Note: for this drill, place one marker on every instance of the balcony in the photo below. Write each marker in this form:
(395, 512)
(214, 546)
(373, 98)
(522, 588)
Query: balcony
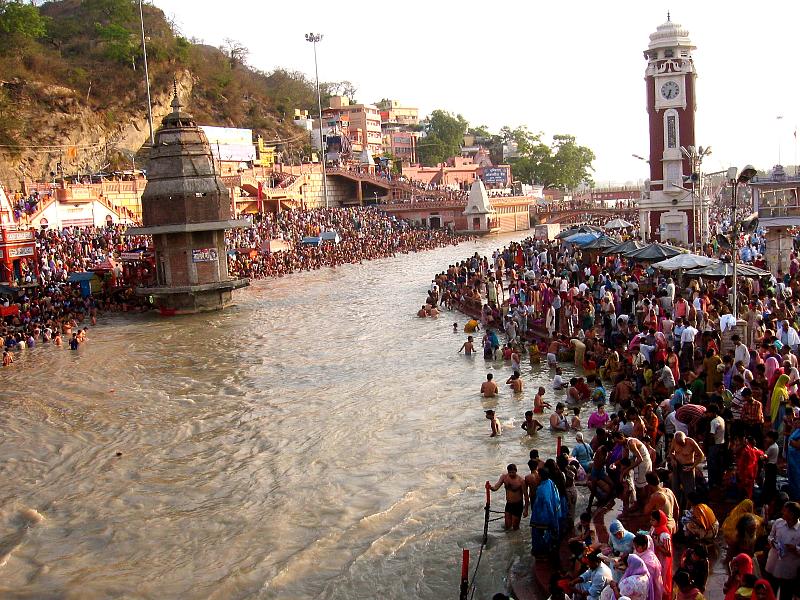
(773, 212)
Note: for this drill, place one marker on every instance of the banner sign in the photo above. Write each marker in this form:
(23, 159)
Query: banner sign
(204, 255)
(23, 251)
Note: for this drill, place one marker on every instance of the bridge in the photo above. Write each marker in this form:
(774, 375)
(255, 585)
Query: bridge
(581, 214)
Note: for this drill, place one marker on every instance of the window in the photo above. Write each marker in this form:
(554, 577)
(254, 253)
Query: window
(669, 53)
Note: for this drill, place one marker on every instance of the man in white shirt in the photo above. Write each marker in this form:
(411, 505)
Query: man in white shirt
(594, 580)
(783, 561)
(716, 446)
(741, 352)
(687, 347)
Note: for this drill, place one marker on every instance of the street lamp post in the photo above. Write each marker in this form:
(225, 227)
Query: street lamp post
(146, 77)
(695, 156)
(746, 175)
(314, 38)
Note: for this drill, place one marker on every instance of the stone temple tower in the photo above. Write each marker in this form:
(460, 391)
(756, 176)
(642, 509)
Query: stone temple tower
(186, 208)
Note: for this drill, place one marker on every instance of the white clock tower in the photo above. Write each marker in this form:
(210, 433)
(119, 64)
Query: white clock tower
(666, 208)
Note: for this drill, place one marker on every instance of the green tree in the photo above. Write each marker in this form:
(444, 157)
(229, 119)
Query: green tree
(572, 162)
(20, 25)
(444, 133)
(118, 43)
(111, 11)
(564, 165)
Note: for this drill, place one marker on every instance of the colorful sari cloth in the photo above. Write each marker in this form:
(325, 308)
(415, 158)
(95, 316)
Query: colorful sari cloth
(662, 541)
(745, 507)
(623, 544)
(793, 465)
(740, 566)
(780, 396)
(747, 468)
(545, 518)
(767, 587)
(653, 565)
(635, 582)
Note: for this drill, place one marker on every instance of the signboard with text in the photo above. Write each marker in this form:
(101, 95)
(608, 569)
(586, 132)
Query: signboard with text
(494, 176)
(204, 255)
(23, 251)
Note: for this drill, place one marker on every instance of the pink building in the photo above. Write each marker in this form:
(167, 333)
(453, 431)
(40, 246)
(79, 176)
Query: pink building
(361, 123)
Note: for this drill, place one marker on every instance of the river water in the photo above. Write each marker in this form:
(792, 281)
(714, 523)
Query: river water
(317, 440)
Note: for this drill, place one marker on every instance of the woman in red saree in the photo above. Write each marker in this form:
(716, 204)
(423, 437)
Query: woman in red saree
(747, 466)
(662, 542)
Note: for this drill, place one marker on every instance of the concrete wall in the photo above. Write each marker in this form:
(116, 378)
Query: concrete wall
(339, 191)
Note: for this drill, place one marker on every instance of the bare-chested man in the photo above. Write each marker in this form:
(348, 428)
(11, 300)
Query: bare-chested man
(640, 463)
(684, 456)
(661, 498)
(489, 387)
(515, 382)
(517, 500)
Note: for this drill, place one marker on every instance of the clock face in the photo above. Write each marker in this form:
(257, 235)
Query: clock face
(670, 90)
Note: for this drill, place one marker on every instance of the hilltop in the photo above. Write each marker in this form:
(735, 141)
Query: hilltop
(72, 86)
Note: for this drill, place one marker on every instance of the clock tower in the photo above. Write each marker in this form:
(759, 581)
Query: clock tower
(666, 208)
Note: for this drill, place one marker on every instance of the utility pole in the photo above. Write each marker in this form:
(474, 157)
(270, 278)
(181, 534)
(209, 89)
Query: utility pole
(146, 77)
(314, 38)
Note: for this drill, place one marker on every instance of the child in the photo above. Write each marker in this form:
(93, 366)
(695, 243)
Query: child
(468, 347)
(575, 424)
(496, 429)
(455, 327)
(628, 490)
(538, 402)
(531, 425)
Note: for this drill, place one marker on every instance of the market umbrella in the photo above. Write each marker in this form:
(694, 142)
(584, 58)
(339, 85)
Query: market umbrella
(654, 252)
(576, 229)
(581, 238)
(618, 224)
(685, 261)
(602, 243)
(725, 269)
(624, 247)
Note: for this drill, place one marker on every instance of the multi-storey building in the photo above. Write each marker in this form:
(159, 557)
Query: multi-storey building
(360, 122)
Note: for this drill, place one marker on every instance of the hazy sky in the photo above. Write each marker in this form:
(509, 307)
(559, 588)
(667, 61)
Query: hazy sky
(558, 67)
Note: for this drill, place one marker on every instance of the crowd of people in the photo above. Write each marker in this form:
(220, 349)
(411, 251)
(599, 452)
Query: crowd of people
(364, 234)
(692, 414)
(50, 306)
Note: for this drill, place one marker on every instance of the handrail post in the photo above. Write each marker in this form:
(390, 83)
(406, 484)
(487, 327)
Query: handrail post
(486, 509)
(464, 575)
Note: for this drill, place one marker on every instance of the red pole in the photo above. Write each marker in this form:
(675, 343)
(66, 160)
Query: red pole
(486, 511)
(464, 574)
(558, 446)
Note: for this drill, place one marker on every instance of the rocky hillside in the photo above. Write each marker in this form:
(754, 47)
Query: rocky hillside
(72, 86)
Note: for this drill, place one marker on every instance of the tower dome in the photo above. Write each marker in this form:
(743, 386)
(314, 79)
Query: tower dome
(669, 35)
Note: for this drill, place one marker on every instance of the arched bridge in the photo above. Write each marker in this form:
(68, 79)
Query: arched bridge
(582, 214)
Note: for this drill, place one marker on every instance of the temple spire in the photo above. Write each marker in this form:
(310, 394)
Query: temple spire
(668, 18)
(176, 102)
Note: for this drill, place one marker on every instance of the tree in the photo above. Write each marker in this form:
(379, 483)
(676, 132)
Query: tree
(339, 88)
(564, 165)
(444, 133)
(572, 162)
(111, 11)
(236, 52)
(119, 43)
(19, 24)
